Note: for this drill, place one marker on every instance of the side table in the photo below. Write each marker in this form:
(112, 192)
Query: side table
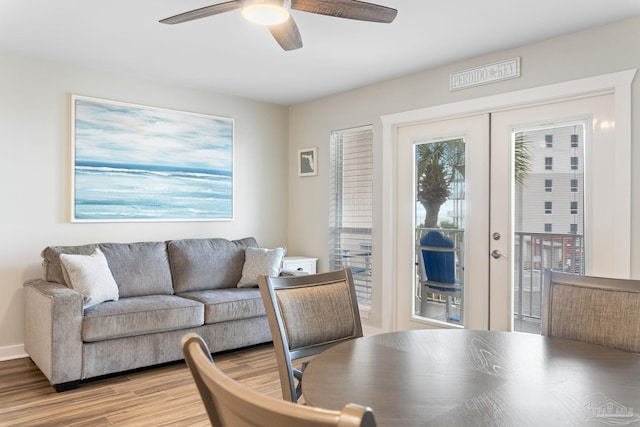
(299, 265)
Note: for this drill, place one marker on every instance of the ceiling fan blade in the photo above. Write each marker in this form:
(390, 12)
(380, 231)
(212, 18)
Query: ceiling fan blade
(203, 12)
(351, 9)
(287, 34)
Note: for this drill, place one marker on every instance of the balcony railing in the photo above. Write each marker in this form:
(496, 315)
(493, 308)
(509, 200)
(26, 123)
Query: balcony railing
(351, 247)
(533, 253)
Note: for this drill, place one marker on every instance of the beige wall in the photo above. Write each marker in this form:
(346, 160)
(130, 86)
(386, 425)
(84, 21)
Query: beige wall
(598, 51)
(35, 171)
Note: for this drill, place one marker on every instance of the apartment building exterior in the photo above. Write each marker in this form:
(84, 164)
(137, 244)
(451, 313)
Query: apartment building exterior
(549, 211)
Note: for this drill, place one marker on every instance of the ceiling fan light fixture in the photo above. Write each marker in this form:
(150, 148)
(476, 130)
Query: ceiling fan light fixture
(276, 15)
(266, 12)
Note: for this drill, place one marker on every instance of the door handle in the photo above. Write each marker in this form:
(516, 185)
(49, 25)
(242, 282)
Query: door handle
(497, 254)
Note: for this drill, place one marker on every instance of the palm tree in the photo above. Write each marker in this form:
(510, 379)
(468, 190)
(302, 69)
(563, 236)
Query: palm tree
(522, 157)
(440, 164)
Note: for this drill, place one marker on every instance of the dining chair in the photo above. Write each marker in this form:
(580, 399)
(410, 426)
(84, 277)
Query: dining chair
(597, 310)
(308, 314)
(231, 404)
(437, 269)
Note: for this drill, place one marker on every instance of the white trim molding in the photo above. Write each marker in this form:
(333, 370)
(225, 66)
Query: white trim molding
(12, 352)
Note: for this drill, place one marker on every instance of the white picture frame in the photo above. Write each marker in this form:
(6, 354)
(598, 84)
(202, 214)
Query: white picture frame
(308, 162)
(138, 163)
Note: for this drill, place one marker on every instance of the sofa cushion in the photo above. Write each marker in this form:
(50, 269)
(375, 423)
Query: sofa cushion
(221, 305)
(90, 275)
(258, 261)
(51, 268)
(200, 264)
(140, 315)
(138, 268)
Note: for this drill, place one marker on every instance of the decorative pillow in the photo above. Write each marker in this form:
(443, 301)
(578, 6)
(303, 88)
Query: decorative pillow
(90, 275)
(259, 261)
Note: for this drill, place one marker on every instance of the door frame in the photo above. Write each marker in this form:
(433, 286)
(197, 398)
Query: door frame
(618, 83)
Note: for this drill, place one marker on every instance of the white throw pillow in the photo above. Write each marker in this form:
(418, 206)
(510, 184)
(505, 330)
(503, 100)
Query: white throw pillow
(259, 261)
(90, 275)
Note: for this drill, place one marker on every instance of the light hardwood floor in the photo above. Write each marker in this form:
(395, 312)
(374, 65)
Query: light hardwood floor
(161, 396)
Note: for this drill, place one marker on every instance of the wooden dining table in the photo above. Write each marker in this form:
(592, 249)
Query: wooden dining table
(461, 377)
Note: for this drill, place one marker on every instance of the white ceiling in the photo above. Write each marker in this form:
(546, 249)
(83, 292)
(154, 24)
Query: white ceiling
(226, 54)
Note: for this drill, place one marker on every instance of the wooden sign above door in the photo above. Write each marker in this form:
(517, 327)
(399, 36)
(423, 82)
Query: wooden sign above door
(503, 70)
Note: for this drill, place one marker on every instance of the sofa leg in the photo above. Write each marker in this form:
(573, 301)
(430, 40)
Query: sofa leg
(66, 386)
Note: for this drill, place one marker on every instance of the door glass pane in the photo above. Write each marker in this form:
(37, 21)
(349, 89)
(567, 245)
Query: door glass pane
(439, 236)
(548, 225)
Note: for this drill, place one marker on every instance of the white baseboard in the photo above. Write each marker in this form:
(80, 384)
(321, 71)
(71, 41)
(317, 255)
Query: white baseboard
(12, 352)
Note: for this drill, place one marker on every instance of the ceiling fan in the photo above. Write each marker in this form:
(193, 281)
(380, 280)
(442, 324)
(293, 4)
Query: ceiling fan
(275, 14)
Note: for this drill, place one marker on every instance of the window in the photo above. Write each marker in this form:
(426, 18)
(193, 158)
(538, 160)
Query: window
(548, 141)
(351, 205)
(574, 185)
(548, 163)
(574, 163)
(574, 208)
(548, 207)
(573, 228)
(548, 228)
(574, 140)
(548, 184)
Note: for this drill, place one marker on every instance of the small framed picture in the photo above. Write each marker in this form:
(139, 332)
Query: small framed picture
(308, 162)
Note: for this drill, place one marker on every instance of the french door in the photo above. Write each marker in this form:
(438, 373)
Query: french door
(562, 215)
(524, 189)
(417, 306)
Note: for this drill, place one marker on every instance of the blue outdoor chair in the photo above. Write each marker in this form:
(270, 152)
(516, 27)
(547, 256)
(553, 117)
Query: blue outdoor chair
(437, 269)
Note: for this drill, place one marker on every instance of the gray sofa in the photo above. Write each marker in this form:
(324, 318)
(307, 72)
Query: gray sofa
(166, 289)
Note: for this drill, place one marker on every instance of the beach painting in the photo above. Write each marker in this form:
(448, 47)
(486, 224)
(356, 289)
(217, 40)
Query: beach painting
(137, 163)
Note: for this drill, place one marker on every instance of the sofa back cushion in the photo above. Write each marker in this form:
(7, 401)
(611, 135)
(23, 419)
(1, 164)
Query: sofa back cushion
(199, 264)
(138, 268)
(51, 267)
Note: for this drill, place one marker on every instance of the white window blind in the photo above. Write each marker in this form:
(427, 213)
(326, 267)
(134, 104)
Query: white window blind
(351, 205)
